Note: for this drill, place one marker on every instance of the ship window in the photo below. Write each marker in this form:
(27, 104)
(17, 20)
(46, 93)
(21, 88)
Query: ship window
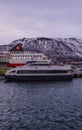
(40, 71)
(34, 56)
(13, 71)
(40, 56)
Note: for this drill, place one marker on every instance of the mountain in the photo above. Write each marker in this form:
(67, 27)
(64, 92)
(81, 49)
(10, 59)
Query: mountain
(59, 50)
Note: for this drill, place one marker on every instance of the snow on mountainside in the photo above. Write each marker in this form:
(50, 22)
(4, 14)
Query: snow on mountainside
(58, 49)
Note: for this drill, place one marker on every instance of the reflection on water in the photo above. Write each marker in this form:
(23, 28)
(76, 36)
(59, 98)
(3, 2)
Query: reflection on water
(41, 106)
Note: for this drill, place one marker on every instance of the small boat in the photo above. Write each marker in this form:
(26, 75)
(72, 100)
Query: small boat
(41, 72)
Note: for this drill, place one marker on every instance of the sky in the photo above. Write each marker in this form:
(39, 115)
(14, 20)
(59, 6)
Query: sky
(39, 18)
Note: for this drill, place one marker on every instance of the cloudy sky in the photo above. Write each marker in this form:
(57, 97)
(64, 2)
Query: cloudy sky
(36, 18)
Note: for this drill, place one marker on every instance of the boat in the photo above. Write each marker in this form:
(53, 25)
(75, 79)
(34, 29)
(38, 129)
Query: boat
(39, 72)
(20, 59)
(16, 56)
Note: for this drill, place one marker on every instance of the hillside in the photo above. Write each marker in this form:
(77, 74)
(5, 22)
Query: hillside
(58, 50)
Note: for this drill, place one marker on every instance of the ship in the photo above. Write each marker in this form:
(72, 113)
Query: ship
(39, 72)
(20, 59)
(16, 56)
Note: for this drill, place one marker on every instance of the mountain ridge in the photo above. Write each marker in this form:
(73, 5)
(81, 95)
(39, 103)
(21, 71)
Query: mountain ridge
(59, 50)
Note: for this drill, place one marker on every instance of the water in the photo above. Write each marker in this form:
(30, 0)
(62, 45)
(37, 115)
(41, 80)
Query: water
(41, 106)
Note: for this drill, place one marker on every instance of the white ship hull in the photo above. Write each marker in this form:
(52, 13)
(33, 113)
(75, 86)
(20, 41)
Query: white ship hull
(39, 73)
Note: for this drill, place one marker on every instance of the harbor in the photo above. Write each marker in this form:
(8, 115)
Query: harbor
(40, 65)
(35, 66)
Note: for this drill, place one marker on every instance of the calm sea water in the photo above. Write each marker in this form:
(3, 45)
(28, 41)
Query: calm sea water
(41, 106)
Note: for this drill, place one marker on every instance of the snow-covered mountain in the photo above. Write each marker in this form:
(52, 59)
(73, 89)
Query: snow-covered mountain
(58, 49)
